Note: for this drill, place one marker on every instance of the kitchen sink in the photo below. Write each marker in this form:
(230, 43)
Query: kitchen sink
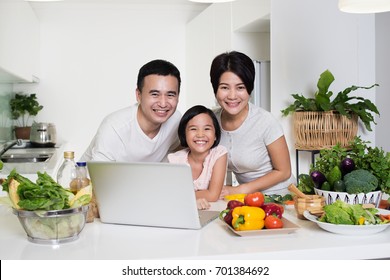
(26, 158)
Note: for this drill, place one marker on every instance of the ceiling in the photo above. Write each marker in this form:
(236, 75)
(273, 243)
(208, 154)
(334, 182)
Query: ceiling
(185, 6)
(194, 8)
(168, 2)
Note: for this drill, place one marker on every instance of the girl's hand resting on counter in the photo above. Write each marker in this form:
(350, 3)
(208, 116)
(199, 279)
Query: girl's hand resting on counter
(202, 204)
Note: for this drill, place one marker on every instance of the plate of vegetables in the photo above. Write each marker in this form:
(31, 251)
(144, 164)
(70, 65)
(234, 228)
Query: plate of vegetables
(351, 219)
(253, 216)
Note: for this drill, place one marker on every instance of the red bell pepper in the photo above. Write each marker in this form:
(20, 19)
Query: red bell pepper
(273, 209)
(227, 213)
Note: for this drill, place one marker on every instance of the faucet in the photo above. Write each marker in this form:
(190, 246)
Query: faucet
(18, 142)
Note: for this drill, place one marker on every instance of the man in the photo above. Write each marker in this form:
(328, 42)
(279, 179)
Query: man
(146, 131)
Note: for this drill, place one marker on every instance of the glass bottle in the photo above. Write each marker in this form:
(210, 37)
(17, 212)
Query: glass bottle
(82, 178)
(67, 171)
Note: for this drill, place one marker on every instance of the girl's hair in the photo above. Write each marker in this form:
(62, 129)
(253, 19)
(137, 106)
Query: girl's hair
(192, 112)
(235, 62)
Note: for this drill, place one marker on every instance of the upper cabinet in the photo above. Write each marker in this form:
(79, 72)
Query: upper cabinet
(251, 15)
(19, 42)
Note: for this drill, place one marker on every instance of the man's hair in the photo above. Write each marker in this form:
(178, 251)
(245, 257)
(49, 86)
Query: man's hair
(157, 67)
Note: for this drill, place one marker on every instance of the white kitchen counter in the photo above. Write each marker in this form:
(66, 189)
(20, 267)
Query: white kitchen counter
(215, 241)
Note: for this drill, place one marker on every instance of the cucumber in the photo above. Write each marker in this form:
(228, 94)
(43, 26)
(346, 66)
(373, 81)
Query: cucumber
(334, 175)
(339, 186)
(326, 186)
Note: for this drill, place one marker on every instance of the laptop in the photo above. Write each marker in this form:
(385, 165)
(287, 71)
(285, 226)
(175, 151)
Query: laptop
(147, 194)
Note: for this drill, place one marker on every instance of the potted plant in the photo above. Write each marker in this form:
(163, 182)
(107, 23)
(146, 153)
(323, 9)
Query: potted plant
(23, 108)
(359, 174)
(321, 122)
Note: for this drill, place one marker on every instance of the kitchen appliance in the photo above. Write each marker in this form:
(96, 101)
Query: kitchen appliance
(43, 134)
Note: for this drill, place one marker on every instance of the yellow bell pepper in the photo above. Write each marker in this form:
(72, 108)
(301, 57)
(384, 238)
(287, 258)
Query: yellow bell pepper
(236, 196)
(248, 218)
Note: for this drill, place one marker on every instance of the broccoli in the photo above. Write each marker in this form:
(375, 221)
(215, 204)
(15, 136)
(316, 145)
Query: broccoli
(360, 181)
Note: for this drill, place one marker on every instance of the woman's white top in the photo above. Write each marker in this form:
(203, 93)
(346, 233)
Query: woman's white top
(248, 156)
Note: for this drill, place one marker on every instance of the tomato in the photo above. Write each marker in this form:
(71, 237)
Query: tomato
(254, 199)
(272, 222)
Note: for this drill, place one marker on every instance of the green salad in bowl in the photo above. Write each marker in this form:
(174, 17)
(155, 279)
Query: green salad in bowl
(351, 219)
(48, 213)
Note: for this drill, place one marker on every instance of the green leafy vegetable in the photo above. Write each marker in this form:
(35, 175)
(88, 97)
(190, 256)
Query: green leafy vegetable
(45, 194)
(305, 184)
(342, 213)
(336, 214)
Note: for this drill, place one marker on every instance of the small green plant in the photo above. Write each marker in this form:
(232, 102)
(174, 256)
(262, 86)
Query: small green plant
(341, 103)
(23, 107)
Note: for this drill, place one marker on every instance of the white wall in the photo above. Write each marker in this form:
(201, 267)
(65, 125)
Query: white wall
(90, 56)
(382, 38)
(308, 37)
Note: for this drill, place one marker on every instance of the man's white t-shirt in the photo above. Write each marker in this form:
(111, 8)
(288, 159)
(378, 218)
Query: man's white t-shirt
(120, 138)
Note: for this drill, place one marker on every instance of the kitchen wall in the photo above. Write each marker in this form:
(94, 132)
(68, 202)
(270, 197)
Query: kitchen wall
(308, 37)
(90, 56)
(382, 70)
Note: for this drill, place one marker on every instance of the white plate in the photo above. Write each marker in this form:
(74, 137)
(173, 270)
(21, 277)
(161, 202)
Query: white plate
(288, 227)
(349, 229)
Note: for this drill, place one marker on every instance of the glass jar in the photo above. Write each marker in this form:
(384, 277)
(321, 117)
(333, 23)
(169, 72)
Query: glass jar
(82, 178)
(67, 171)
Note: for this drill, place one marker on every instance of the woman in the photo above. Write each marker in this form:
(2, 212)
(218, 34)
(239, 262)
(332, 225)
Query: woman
(257, 150)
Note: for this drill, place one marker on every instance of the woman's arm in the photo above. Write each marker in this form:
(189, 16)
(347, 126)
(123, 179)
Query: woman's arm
(280, 158)
(216, 181)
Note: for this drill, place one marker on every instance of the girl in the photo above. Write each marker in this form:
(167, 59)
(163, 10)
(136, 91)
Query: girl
(199, 133)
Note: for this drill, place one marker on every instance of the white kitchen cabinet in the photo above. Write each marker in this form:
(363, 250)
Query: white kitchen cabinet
(19, 42)
(247, 13)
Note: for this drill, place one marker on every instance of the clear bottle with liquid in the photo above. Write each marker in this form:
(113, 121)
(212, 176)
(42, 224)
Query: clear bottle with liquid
(67, 171)
(82, 178)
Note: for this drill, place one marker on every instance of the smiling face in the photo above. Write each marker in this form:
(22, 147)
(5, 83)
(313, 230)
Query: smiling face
(157, 101)
(232, 94)
(200, 133)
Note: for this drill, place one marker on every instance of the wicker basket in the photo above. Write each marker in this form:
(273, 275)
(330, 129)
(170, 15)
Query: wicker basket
(323, 130)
